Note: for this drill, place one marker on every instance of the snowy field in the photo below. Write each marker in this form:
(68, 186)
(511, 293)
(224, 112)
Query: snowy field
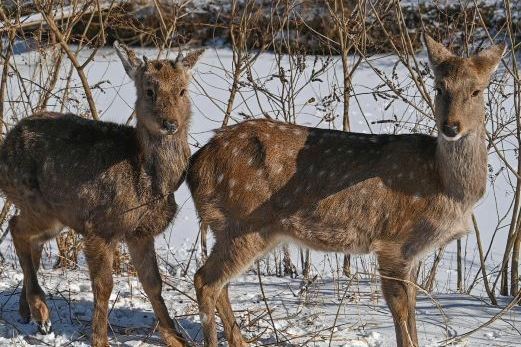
(329, 310)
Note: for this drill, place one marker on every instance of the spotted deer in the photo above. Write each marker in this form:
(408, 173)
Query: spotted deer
(262, 182)
(108, 182)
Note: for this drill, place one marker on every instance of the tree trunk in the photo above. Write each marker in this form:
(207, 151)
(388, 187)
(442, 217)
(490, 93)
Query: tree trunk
(460, 268)
(346, 267)
(514, 270)
(289, 268)
(306, 265)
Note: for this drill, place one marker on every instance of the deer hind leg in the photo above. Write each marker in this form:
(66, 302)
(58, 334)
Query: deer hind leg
(24, 309)
(411, 295)
(99, 254)
(231, 328)
(400, 295)
(29, 234)
(143, 257)
(229, 257)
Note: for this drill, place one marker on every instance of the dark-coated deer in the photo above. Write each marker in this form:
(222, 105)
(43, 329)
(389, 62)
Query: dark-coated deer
(261, 182)
(108, 182)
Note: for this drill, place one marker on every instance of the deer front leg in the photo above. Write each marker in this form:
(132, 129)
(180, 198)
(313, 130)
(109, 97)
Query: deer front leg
(400, 295)
(32, 302)
(143, 257)
(99, 255)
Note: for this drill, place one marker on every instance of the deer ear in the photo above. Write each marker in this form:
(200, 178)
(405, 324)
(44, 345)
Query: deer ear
(130, 62)
(191, 58)
(436, 51)
(488, 60)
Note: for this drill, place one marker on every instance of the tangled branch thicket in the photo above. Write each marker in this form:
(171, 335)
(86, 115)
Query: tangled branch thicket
(312, 45)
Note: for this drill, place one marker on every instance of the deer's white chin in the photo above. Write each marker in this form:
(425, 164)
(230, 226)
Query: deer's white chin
(451, 139)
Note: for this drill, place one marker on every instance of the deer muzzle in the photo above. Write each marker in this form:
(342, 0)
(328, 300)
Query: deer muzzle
(451, 131)
(169, 126)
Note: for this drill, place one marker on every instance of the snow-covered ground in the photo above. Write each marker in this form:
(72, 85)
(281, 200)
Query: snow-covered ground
(332, 310)
(329, 312)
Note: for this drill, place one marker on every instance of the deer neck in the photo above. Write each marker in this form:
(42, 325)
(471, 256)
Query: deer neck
(163, 157)
(462, 167)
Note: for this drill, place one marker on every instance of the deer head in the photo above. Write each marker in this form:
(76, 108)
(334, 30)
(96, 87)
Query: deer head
(459, 83)
(163, 104)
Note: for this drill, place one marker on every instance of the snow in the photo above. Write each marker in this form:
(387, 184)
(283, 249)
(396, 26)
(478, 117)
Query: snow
(312, 318)
(332, 310)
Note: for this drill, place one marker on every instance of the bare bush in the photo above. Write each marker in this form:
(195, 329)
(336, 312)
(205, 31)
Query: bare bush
(316, 51)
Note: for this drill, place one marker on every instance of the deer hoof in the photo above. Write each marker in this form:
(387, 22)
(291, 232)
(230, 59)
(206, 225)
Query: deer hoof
(44, 327)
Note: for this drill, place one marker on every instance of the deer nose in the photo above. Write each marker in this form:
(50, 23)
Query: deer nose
(170, 126)
(450, 129)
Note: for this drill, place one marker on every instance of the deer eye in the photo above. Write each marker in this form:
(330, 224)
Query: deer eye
(182, 92)
(150, 93)
(438, 90)
(476, 93)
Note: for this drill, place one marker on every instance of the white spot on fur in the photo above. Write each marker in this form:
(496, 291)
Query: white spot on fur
(232, 183)
(220, 178)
